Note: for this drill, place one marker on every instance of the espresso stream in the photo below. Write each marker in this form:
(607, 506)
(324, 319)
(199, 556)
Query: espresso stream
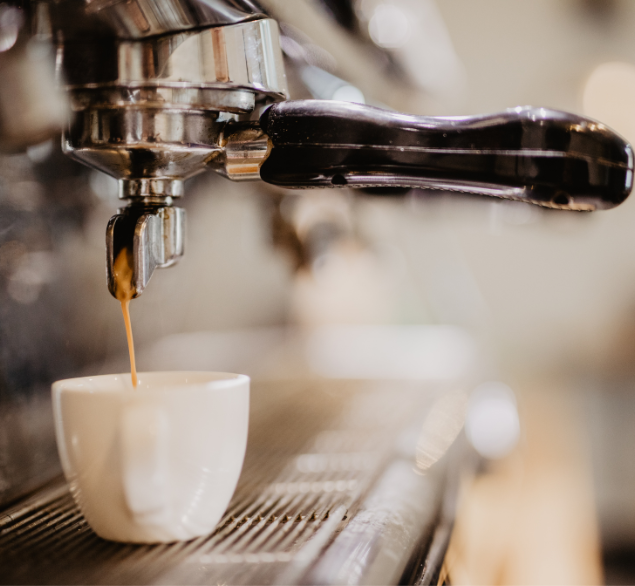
(124, 293)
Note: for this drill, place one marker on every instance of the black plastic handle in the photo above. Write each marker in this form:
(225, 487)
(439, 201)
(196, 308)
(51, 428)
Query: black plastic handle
(541, 156)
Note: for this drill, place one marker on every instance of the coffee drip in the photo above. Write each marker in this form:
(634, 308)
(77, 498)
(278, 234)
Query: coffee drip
(125, 291)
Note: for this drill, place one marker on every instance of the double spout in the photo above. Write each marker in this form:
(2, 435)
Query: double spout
(151, 234)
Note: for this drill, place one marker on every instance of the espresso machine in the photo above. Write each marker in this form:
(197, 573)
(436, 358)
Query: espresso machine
(155, 92)
(161, 92)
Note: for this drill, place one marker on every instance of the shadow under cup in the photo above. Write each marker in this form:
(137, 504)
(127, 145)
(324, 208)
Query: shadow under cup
(158, 463)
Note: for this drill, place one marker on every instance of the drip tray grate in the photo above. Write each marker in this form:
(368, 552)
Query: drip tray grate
(322, 479)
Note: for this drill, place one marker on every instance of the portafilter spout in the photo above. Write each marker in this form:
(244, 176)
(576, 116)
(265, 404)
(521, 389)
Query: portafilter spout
(151, 232)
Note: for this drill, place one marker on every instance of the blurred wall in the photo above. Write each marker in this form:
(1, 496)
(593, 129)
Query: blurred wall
(557, 286)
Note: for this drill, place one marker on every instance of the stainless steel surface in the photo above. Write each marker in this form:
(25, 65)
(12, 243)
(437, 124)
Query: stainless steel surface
(245, 148)
(401, 507)
(242, 56)
(160, 191)
(42, 206)
(155, 237)
(328, 494)
(32, 108)
(143, 18)
(161, 115)
(310, 39)
(139, 143)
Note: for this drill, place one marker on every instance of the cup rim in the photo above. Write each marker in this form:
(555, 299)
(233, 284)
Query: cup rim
(218, 381)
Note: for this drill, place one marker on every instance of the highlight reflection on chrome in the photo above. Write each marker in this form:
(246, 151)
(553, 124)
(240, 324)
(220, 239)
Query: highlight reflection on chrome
(492, 425)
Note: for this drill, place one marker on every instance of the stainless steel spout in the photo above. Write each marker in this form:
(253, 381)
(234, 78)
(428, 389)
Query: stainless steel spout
(152, 233)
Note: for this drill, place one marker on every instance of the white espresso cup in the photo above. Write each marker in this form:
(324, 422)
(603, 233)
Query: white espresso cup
(156, 463)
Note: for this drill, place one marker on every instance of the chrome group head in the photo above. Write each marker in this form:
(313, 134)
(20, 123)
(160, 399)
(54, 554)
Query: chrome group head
(159, 101)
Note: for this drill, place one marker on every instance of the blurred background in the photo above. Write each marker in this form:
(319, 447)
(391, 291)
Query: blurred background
(548, 296)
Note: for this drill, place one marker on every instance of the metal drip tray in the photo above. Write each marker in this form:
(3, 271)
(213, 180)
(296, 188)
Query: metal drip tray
(328, 494)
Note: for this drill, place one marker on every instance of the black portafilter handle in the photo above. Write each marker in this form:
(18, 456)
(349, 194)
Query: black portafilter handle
(536, 155)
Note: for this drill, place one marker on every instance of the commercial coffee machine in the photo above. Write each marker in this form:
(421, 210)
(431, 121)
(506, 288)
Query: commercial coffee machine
(163, 91)
(154, 92)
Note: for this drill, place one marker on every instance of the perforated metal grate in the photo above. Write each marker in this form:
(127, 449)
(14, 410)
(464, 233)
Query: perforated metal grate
(315, 453)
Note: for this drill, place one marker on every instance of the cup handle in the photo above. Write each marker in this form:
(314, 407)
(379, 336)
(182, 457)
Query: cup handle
(144, 458)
